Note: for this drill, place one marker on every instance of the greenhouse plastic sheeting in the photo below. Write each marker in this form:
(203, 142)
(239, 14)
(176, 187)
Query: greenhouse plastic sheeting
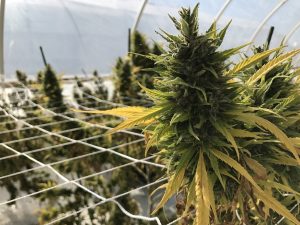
(84, 35)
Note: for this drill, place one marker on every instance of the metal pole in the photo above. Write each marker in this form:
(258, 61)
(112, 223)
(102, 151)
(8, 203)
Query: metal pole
(222, 10)
(139, 15)
(2, 10)
(43, 56)
(129, 41)
(271, 31)
(290, 34)
(275, 9)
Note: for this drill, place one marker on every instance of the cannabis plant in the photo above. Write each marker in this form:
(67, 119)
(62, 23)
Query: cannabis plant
(130, 70)
(101, 89)
(278, 90)
(22, 77)
(203, 122)
(140, 47)
(52, 89)
(125, 80)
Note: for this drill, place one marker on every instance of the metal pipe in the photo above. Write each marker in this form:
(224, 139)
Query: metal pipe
(260, 26)
(139, 16)
(2, 15)
(222, 10)
(2, 76)
(290, 34)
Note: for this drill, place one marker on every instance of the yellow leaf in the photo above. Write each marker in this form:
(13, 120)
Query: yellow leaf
(256, 167)
(271, 65)
(121, 112)
(244, 133)
(143, 117)
(191, 196)
(202, 193)
(212, 199)
(272, 203)
(175, 180)
(265, 197)
(282, 187)
(253, 119)
(283, 160)
(251, 61)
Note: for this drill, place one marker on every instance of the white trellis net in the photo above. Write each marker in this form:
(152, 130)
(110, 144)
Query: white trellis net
(61, 138)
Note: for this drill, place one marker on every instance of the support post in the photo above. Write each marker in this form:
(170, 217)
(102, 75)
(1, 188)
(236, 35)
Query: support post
(2, 16)
(139, 16)
(43, 56)
(290, 34)
(271, 31)
(222, 10)
(266, 19)
(129, 40)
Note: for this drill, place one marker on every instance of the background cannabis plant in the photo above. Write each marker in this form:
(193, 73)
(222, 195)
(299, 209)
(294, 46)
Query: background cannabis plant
(205, 125)
(277, 90)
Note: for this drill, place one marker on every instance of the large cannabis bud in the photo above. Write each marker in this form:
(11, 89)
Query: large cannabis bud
(201, 122)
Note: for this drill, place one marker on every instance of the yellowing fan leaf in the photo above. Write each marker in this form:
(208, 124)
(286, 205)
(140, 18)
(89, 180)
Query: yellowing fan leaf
(265, 197)
(212, 199)
(202, 193)
(256, 167)
(271, 65)
(244, 133)
(121, 112)
(191, 196)
(282, 187)
(283, 160)
(272, 203)
(251, 61)
(144, 117)
(267, 125)
(234, 164)
(175, 180)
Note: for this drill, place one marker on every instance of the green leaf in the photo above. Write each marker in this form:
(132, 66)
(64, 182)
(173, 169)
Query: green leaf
(229, 52)
(215, 166)
(225, 132)
(222, 33)
(179, 117)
